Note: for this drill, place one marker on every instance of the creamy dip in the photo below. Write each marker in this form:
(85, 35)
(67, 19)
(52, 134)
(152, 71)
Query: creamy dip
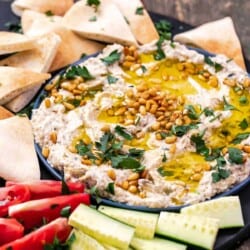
(157, 126)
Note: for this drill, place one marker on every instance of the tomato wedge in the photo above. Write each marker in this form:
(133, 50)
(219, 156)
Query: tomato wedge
(12, 195)
(37, 239)
(33, 213)
(48, 188)
(10, 230)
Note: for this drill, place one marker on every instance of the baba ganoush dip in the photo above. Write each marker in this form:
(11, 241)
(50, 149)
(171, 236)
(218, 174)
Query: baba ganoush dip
(160, 125)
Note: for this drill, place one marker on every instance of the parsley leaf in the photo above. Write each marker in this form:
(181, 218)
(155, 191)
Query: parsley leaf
(191, 112)
(227, 105)
(200, 145)
(235, 155)
(240, 137)
(243, 124)
(139, 11)
(164, 172)
(143, 68)
(214, 154)
(112, 57)
(218, 67)
(111, 188)
(49, 13)
(126, 162)
(136, 153)
(121, 131)
(77, 70)
(159, 55)
(243, 100)
(208, 112)
(85, 150)
(94, 3)
(112, 79)
(164, 29)
(14, 27)
(164, 157)
(180, 130)
(220, 171)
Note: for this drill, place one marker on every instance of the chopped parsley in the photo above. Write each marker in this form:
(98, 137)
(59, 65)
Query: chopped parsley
(164, 172)
(191, 112)
(159, 54)
(94, 3)
(164, 157)
(139, 11)
(218, 67)
(208, 112)
(240, 137)
(93, 19)
(243, 100)
(220, 171)
(77, 70)
(227, 105)
(164, 29)
(112, 57)
(200, 145)
(235, 155)
(49, 13)
(180, 130)
(112, 79)
(111, 188)
(243, 124)
(215, 118)
(14, 27)
(83, 55)
(121, 131)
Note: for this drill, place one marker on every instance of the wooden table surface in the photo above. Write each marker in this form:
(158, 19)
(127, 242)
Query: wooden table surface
(197, 12)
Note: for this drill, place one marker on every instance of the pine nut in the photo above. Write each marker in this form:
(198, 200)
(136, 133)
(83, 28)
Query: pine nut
(142, 110)
(45, 152)
(105, 128)
(133, 183)
(86, 162)
(246, 148)
(125, 185)
(155, 126)
(133, 176)
(68, 106)
(53, 137)
(143, 194)
(47, 103)
(133, 189)
(196, 177)
(111, 174)
(170, 139)
(120, 111)
(72, 149)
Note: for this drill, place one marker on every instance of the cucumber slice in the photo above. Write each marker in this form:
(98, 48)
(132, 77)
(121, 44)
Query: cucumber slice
(226, 209)
(156, 244)
(101, 227)
(144, 223)
(83, 241)
(108, 247)
(199, 231)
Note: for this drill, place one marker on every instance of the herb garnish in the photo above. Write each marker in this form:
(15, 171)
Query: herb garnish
(93, 19)
(214, 154)
(159, 55)
(112, 57)
(94, 3)
(143, 68)
(111, 188)
(240, 137)
(164, 173)
(164, 29)
(235, 155)
(164, 157)
(85, 150)
(180, 130)
(200, 145)
(139, 11)
(14, 27)
(227, 105)
(191, 112)
(49, 13)
(112, 79)
(77, 70)
(243, 124)
(121, 131)
(208, 112)
(218, 67)
(243, 100)
(220, 171)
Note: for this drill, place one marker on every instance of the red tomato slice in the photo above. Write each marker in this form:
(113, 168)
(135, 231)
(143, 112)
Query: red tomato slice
(33, 213)
(48, 188)
(12, 195)
(10, 230)
(36, 240)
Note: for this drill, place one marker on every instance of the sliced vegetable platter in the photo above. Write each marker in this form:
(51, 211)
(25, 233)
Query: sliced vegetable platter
(227, 238)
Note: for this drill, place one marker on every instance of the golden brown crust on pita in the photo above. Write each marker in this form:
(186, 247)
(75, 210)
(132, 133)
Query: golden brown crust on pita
(141, 25)
(57, 7)
(216, 37)
(109, 26)
(5, 113)
(12, 42)
(71, 46)
(15, 81)
(18, 158)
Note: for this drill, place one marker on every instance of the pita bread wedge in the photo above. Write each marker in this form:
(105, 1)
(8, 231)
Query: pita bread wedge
(71, 46)
(4, 113)
(106, 23)
(18, 160)
(57, 7)
(12, 42)
(14, 81)
(139, 20)
(216, 37)
(38, 59)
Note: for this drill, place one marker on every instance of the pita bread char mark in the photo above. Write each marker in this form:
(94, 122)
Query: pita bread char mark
(57, 7)
(106, 23)
(39, 60)
(4, 113)
(15, 81)
(18, 159)
(11, 42)
(141, 26)
(217, 37)
(71, 46)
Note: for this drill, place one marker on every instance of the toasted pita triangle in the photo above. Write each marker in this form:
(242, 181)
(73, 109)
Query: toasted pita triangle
(216, 37)
(71, 46)
(109, 24)
(18, 160)
(4, 113)
(57, 7)
(38, 59)
(12, 42)
(141, 26)
(14, 81)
